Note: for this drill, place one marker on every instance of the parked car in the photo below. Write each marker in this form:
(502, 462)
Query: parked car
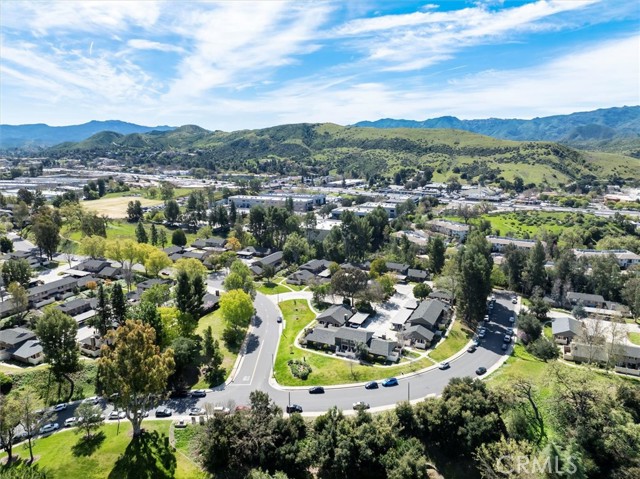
(389, 382)
(371, 385)
(493, 298)
(476, 341)
(504, 346)
(510, 331)
(279, 320)
(91, 400)
(50, 427)
(180, 424)
(512, 319)
(59, 407)
(222, 410)
(143, 413)
(486, 317)
(117, 415)
(507, 338)
(316, 390)
(242, 408)
(291, 408)
(472, 348)
(360, 405)
(482, 333)
(163, 412)
(481, 370)
(444, 365)
(196, 411)
(71, 421)
(198, 393)
(515, 300)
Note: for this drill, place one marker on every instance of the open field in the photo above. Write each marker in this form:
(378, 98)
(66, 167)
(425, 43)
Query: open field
(117, 207)
(120, 229)
(109, 454)
(458, 337)
(326, 370)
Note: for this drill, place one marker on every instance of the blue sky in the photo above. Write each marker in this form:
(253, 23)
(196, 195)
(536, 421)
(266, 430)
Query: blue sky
(240, 64)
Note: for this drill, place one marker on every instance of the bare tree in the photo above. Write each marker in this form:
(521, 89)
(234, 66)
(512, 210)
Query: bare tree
(593, 337)
(615, 342)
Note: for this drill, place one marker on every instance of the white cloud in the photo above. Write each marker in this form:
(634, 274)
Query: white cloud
(417, 40)
(140, 44)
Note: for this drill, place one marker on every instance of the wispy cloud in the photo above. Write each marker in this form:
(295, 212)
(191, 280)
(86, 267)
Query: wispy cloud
(140, 44)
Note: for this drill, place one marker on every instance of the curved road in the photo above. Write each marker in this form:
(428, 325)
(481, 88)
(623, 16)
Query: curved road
(255, 369)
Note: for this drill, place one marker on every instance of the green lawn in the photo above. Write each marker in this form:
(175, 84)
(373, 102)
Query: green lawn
(325, 370)
(458, 337)
(216, 322)
(109, 455)
(118, 229)
(634, 338)
(546, 330)
(271, 288)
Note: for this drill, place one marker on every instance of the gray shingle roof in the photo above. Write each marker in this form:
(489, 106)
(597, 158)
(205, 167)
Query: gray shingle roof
(428, 312)
(566, 325)
(355, 335)
(28, 349)
(335, 314)
(14, 336)
(322, 336)
(381, 347)
(418, 332)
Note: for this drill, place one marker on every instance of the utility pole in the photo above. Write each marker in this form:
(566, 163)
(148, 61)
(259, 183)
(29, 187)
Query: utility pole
(289, 398)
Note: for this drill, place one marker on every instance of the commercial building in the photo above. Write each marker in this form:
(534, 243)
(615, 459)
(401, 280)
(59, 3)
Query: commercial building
(300, 202)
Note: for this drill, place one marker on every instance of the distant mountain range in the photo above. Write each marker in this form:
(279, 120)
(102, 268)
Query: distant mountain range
(41, 135)
(611, 128)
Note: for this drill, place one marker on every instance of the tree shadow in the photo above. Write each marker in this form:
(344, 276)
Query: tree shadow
(147, 457)
(86, 447)
(253, 341)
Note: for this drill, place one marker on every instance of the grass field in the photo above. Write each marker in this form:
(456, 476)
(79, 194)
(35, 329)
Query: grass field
(634, 338)
(117, 207)
(458, 337)
(271, 288)
(325, 370)
(216, 322)
(119, 229)
(66, 455)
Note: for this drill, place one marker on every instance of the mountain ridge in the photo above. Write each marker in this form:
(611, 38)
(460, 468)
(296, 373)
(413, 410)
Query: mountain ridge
(39, 135)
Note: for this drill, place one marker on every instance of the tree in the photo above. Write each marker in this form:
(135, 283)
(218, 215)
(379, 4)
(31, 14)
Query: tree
(514, 264)
(57, 332)
(237, 309)
(233, 214)
(212, 358)
(147, 313)
(475, 266)
(47, 234)
(20, 214)
(127, 253)
(94, 246)
(132, 365)
(102, 320)
(198, 290)
(16, 270)
(530, 325)
(118, 304)
(186, 352)
(534, 273)
(183, 292)
(240, 277)
(19, 298)
(268, 272)
(606, 279)
(166, 190)
(296, 249)
(631, 292)
(538, 306)
(158, 294)
(154, 235)
(191, 266)
(141, 233)
(578, 311)
(102, 187)
(9, 422)
(178, 238)
(6, 245)
(32, 415)
(388, 282)
(89, 419)
(436, 254)
(421, 290)
(378, 267)
(156, 262)
(162, 238)
(171, 211)
(134, 211)
(349, 282)
(234, 244)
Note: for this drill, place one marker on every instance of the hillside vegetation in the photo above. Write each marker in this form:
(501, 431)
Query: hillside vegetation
(356, 152)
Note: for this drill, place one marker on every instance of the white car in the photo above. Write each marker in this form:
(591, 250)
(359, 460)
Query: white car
(91, 400)
(59, 407)
(444, 365)
(50, 427)
(197, 411)
(180, 424)
(72, 421)
(117, 415)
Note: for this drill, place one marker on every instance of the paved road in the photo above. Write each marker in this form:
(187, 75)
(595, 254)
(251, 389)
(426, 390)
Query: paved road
(255, 370)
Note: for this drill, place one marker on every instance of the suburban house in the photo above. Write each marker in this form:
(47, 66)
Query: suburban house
(499, 243)
(89, 341)
(171, 250)
(12, 338)
(217, 243)
(589, 300)
(417, 275)
(565, 329)
(624, 257)
(346, 341)
(397, 268)
(418, 336)
(422, 325)
(29, 352)
(627, 356)
(253, 252)
(315, 266)
(274, 259)
(210, 302)
(451, 229)
(336, 315)
(93, 265)
(33, 257)
(300, 277)
(445, 296)
(54, 288)
(78, 306)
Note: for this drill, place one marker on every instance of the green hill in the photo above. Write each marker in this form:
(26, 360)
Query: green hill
(358, 152)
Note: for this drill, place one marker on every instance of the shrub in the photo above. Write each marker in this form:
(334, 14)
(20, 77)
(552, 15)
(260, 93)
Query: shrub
(5, 383)
(299, 369)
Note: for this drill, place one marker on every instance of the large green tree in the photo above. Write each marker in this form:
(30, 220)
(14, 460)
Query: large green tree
(16, 270)
(46, 233)
(133, 367)
(475, 266)
(57, 332)
(237, 309)
(535, 276)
